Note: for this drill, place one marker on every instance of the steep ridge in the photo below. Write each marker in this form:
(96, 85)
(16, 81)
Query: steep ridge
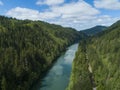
(104, 54)
(103, 59)
(28, 49)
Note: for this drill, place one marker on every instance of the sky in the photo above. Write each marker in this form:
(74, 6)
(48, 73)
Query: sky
(78, 14)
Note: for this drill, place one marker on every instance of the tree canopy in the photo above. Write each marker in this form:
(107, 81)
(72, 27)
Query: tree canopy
(28, 48)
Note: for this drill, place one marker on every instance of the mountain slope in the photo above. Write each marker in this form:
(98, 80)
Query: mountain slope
(94, 30)
(79, 79)
(28, 49)
(102, 53)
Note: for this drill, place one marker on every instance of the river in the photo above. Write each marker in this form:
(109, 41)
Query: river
(58, 76)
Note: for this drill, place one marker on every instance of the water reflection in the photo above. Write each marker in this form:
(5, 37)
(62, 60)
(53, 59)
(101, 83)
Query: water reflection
(58, 77)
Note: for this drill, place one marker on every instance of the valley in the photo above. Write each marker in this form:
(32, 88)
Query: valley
(38, 55)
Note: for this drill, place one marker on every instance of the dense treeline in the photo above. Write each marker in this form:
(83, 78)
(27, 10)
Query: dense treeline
(103, 51)
(104, 55)
(80, 79)
(28, 48)
(94, 30)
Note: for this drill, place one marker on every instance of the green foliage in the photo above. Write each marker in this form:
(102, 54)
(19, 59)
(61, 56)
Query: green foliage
(80, 74)
(103, 52)
(4, 83)
(94, 30)
(104, 55)
(28, 49)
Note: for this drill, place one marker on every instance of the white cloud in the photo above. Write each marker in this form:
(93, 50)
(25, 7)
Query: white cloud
(1, 3)
(49, 2)
(71, 10)
(75, 9)
(107, 4)
(79, 15)
(25, 13)
(87, 22)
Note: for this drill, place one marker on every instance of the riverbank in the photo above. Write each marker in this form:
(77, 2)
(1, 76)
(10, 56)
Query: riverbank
(57, 78)
(79, 79)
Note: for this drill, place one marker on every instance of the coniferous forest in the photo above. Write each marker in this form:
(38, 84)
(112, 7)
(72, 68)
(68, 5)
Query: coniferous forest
(28, 49)
(59, 44)
(101, 53)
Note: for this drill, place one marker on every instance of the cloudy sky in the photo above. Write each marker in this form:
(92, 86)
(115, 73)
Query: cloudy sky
(79, 14)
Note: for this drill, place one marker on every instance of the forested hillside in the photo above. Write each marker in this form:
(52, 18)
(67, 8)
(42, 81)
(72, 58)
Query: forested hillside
(28, 48)
(79, 79)
(102, 55)
(94, 30)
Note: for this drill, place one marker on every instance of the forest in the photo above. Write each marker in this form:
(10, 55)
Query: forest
(28, 48)
(79, 79)
(94, 30)
(103, 53)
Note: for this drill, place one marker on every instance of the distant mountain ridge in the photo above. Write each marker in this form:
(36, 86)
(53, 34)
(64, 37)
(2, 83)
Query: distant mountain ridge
(94, 30)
